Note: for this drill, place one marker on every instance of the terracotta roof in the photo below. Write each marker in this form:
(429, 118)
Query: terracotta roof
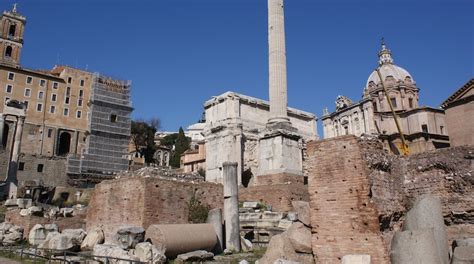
(456, 95)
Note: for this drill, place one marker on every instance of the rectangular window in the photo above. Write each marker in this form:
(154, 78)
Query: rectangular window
(42, 83)
(29, 80)
(40, 95)
(40, 168)
(39, 107)
(410, 102)
(9, 89)
(78, 114)
(27, 92)
(53, 97)
(11, 76)
(441, 130)
(68, 91)
(424, 128)
(79, 102)
(66, 112)
(55, 85)
(113, 118)
(82, 82)
(50, 132)
(21, 166)
(394, 102)
(52, 109)
(69, 80)
(66, 100)
(26, 105)
(81, 93)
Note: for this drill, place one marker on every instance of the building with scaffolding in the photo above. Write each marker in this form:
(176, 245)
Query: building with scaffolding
(77, 123)
(109, 126)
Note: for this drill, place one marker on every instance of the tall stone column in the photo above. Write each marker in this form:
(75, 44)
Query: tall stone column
(13, 166)
(2, 127)
(231, 206)
(277, 63)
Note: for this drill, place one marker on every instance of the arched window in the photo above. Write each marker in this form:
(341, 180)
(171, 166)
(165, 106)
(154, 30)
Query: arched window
(11, 32)
(64, 144)
(8, 51)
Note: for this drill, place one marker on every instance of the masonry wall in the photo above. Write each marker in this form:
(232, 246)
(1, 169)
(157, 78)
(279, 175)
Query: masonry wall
(460, 125)
(344, 219)
(359, 194)
(144, 201)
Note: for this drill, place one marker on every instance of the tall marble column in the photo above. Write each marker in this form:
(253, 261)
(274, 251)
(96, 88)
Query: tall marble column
(277, 63)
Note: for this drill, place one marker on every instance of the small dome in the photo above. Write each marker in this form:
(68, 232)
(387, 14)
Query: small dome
(387, 70)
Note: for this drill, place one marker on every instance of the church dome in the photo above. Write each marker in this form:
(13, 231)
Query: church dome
(388, 70)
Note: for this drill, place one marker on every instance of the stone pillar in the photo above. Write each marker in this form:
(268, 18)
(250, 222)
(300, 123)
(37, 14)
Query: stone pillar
(414, 247)
(215, 219)
(13, 165)
(427, 214)
(277, 62)
(231, 206)
(2, 127)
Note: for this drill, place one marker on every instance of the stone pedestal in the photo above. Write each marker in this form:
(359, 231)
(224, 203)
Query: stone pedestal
(280, 153)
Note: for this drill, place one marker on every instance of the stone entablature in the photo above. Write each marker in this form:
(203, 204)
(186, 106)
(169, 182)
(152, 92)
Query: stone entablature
(234, 127)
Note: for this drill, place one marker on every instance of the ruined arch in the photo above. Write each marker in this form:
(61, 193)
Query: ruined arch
(64, 144)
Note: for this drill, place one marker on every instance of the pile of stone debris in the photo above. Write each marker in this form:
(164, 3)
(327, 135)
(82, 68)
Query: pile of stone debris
(164, 173)
(288, 234)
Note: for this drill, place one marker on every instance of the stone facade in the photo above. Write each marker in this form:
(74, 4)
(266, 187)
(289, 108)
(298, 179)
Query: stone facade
(459, 109)
(144, 201)
(424, 127)
(359, 194)
(234, 124)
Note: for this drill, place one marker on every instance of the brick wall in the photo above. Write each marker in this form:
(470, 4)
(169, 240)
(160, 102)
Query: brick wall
(359, 194)
(344, 219)
(144, 201)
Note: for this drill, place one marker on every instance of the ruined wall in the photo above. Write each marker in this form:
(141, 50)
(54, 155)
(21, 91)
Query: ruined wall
(358, 190)
(344, 219)
(396, 182)
(53, 169)
(144, 201)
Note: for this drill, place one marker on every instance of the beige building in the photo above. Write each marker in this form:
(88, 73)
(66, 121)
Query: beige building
(459, 109)
(423, 127)
(194, 160)
(64, 107)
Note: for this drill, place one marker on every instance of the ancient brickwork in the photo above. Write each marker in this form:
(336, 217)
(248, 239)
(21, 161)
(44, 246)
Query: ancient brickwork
(357, 188)
(144, 201)
(344, 219)
(396, 182)
(277, 190)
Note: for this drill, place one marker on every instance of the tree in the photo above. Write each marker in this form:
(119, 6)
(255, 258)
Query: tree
(143, 137)
(181, 145)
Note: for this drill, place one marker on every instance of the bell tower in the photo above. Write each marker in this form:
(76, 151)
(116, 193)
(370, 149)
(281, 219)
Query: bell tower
(12, 27)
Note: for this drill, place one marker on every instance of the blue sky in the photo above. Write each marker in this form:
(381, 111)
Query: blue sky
(179, 53)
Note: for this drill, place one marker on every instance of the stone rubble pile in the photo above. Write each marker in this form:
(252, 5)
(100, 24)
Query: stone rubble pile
(294, 244)
(10, 234)
(163, 173)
